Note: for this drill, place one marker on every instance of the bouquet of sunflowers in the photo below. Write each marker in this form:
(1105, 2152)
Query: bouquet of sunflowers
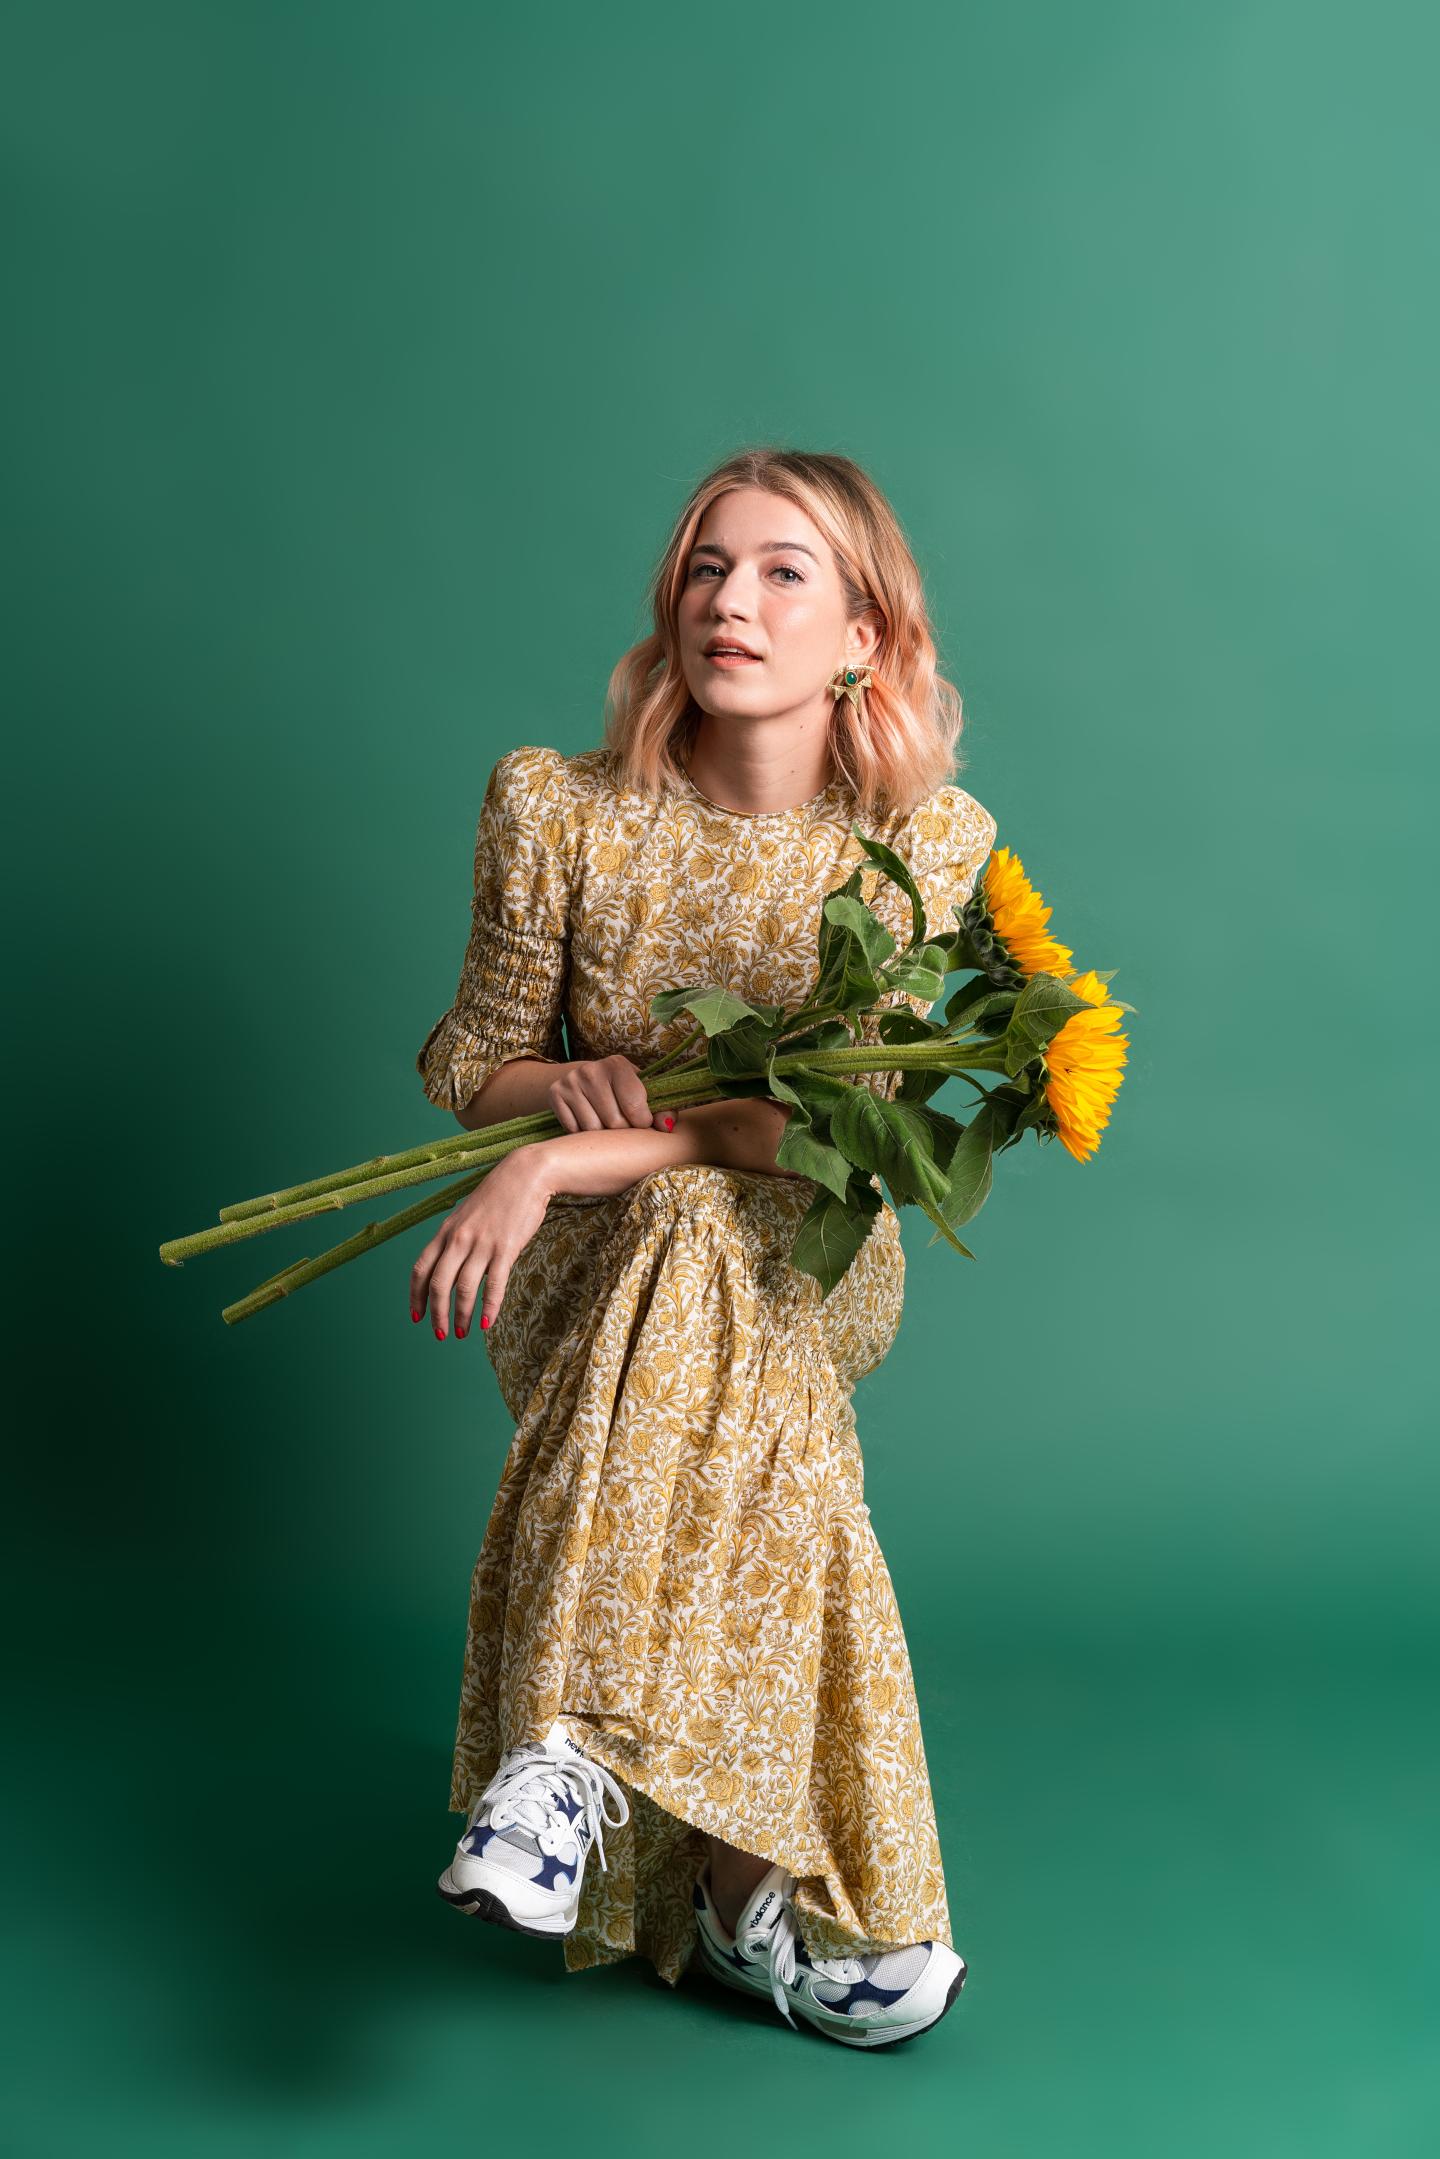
(1049, 1037)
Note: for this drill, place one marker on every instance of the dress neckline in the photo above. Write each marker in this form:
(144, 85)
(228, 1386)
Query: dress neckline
(814, 806)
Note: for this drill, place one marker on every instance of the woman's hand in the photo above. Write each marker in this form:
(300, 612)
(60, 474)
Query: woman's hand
(594, 1094)
(489, 1229)
(480, 1240)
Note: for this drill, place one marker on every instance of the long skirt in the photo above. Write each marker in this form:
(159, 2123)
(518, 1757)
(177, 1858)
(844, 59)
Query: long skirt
(680, 1562)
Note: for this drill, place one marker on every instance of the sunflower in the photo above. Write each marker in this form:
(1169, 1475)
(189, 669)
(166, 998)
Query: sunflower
(1082, 1068)
(1018, 917)
(1003, 932)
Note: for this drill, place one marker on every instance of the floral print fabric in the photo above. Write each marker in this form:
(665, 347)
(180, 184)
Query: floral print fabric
(679, 1557)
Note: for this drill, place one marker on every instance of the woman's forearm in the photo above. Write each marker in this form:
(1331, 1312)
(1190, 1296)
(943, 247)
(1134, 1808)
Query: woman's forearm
(734, 1134)
(518, 1088)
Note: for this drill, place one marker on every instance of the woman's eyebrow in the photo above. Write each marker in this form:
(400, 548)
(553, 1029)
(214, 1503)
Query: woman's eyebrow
(767, 547)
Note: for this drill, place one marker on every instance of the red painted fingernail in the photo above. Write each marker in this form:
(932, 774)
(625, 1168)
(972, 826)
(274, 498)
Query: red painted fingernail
(669, 1124)
(417, 1315)
(439, 1334)
(459, 1333)
(484, 1319)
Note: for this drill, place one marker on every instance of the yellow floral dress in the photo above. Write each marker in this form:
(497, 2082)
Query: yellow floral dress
(679, 1558)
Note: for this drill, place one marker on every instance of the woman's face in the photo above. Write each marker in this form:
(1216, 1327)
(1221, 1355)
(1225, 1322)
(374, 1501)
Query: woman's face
(761, 574)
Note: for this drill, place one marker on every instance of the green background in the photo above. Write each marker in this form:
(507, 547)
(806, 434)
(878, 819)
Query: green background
(359, 359)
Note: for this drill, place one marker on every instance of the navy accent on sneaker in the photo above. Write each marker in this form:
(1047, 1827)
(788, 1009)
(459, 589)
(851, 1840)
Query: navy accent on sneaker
(521, 1857)
(846, 1998)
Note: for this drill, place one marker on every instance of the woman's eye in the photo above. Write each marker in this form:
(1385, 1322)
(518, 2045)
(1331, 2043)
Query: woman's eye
(783, 568)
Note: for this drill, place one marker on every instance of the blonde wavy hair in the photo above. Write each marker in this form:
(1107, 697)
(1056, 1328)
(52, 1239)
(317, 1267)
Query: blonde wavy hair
(900, 745)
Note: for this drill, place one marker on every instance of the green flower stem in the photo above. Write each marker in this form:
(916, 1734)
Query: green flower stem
(651, 1071)
(672, 1089)
(685, 1089)
(899, 1056)
(345, 1188)
(387, 1172)
(179, 1249)
(290, 1279)
(534, 1124)
(952, 1054)
(514, 1132)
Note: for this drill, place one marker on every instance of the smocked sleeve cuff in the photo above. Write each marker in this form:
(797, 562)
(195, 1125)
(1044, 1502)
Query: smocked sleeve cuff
(508, 1005)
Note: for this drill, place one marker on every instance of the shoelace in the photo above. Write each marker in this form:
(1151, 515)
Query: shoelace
(529, 1783)
(784, 1935)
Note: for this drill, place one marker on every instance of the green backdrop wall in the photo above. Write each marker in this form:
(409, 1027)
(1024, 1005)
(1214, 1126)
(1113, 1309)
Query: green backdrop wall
(359, 358)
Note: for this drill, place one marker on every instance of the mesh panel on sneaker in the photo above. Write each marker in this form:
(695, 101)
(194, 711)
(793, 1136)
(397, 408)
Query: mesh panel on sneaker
(886, 1975)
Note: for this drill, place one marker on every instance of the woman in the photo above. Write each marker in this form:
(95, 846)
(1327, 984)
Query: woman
(682, 1630)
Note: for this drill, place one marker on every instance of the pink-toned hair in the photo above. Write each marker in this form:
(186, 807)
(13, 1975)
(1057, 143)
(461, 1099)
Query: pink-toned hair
(900, 746)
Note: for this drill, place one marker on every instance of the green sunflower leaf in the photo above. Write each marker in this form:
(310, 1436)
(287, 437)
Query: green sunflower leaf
(714, 1008)
(899, 874)
(1041, 1010)
(834, 1230)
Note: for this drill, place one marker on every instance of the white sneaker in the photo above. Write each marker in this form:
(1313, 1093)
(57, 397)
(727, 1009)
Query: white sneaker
(521, 1859)
(867, 2001)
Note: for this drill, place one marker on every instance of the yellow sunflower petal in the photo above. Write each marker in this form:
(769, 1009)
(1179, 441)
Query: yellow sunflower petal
(1019, 916)
(1082, 1068)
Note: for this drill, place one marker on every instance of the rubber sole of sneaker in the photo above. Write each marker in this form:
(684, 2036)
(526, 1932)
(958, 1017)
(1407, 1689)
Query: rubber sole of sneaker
(894, 2036)
(484, 1904)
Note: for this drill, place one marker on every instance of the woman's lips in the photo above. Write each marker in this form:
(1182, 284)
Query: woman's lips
(732, 659)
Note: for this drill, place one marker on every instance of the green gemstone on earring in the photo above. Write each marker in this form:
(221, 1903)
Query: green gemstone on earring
(849, 674)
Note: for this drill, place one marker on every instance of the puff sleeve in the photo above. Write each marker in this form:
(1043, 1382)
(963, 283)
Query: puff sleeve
(947, 842)
(510, 997)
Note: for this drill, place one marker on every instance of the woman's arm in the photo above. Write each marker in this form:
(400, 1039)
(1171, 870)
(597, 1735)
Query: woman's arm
(517, 1088)
(492, 1225)
(739, 1133)
(733, 1134)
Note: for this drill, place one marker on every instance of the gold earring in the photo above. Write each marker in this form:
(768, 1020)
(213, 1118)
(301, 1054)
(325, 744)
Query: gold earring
(849, 682)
